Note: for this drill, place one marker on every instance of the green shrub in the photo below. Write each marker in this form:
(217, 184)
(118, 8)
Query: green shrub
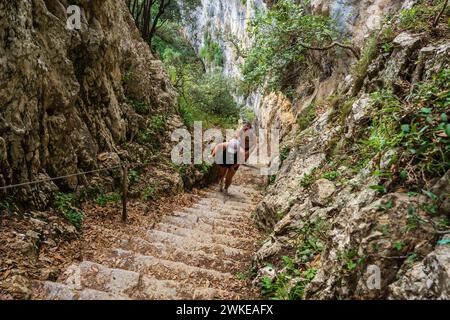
(307, 117)
(66, 204)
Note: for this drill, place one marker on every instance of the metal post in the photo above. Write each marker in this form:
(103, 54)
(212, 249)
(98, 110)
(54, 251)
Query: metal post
(125, 194)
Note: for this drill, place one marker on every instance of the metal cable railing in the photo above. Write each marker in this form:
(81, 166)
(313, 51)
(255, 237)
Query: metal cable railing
(124, 167)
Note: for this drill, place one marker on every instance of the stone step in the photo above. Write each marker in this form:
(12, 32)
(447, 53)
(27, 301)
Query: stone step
(90, 277)
(235, 191)
(191, 244)
(222, 213)
(212, 237)
(173, 290)
(231, 200)
(167, 251)
(59, 291)
(204, 216)
(216, 205)
(170, 270)
(205, 227)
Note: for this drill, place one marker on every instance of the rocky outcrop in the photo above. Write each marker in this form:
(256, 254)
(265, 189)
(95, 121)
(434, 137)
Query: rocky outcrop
(68, 96)
(429, 279)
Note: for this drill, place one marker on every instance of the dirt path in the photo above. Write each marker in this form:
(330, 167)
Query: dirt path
(193, 253)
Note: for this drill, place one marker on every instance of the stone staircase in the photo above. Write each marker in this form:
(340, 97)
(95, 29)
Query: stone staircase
(192, 254)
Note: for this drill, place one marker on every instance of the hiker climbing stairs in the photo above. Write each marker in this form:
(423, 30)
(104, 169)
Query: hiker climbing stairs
(193, 253)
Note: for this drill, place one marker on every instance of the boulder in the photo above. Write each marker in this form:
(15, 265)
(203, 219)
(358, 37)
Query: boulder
(323, 189)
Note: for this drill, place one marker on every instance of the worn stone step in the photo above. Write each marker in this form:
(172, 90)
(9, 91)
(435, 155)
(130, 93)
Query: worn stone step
(90, 278)
(203, 215)
(212, 237)
(196, 258)
(223, 213)
(173, 290)
(191, 244)
(91, 275)
(237, 200)
(205, 227)
(217, 205)
(60, 291)
(243, 191)
(211, 220)
(170, 270)
(214, 210)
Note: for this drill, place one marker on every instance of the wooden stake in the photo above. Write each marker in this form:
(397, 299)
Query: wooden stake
(125, 194)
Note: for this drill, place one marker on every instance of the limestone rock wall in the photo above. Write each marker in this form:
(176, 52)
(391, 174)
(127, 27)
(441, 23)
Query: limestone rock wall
(66, 96)
(359, 232)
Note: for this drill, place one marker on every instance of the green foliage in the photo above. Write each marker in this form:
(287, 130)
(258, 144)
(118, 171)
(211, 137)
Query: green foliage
(284, 154)
(288, 285)
(331, 175)
(248, 114)
(308, 179)
(133, 176)
(360, 69)
(157, 124)
(140, 107)
(398, 245)
(126, 77)
(420, 17)
(153, 134)
(419, 133)
(272, 179)
(307, 117)
(310, 241)
(350, 259)
(104, 199)
(278, 35)
(150, 192)
(212, 95)
(203, 167)
(7, 203)
(66, 204)
(211, 51)
(202, 96)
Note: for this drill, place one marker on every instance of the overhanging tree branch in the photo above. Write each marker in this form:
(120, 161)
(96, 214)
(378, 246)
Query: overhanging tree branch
(332, 45)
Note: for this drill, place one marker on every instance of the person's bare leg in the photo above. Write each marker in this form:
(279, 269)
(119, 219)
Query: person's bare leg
(221, 175)
(229, 177)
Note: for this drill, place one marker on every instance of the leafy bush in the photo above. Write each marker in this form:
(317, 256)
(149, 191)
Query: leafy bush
(278, 37)
(66, 204)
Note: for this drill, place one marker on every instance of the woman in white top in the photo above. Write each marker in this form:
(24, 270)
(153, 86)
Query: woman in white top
(230, 155)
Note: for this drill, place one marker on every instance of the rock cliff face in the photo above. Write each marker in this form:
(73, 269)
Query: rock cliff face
(342, 227)
(227, 23)
(70, 100)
